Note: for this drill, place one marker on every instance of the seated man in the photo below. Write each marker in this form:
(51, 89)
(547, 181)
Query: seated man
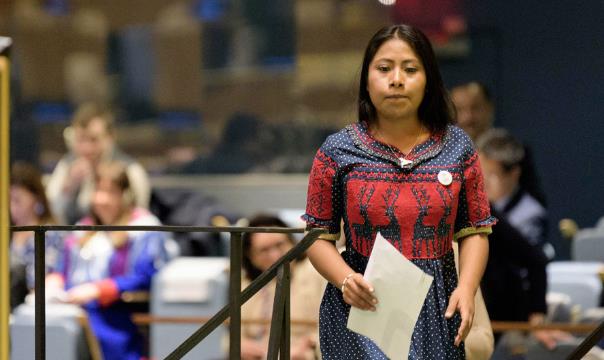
(514, 284)
(474, 107)
(91, 141)
(501, 157)
(475, 114)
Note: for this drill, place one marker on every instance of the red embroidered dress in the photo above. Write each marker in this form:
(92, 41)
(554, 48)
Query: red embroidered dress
(420, 208)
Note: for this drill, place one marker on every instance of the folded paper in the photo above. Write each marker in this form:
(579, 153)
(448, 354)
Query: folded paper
(401, 288)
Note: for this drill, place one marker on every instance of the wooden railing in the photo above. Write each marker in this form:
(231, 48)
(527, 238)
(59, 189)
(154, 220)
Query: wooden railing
(280, 322)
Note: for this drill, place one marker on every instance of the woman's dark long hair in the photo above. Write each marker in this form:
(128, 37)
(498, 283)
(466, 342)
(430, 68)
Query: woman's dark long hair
(260, 220)
(435, 111)
(28, 176)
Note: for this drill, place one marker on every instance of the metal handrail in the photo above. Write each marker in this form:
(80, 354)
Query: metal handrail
(280, 322)
(279, 336)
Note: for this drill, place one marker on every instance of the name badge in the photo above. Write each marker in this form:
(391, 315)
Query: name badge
(445, 178)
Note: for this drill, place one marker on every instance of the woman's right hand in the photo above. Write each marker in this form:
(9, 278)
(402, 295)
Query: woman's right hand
(328, 261)
(80, 169)
(359, 293)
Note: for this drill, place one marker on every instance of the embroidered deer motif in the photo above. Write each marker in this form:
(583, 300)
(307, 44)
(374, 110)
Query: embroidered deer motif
(443, 229)
(364, 230)
(317, 200)
(392, 231)
(422, 233)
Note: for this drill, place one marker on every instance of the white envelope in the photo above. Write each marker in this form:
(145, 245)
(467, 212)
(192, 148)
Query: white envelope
(401, 288)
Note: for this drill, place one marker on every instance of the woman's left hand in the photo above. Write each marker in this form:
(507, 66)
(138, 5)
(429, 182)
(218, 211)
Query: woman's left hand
(462, 300)
(83, 294)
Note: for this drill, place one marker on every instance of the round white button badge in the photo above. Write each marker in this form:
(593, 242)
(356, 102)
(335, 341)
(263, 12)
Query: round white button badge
(445, 177)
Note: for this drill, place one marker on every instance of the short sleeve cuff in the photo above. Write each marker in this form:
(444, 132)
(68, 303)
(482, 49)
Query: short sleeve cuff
(330, 237)
(312, 222)
(465, 232)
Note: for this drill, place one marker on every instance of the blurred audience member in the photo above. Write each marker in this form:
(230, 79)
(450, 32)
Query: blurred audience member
(189, 207)
(98, 266)
(514, 284)
(28, 206)
(474, 107)
(261, 250)
(501, 156)
(90, 139)
(237, 152)
(479, 344)
(18, 283)
(475, 114)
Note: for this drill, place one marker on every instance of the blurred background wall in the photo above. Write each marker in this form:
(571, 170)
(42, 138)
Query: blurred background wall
(179, 72)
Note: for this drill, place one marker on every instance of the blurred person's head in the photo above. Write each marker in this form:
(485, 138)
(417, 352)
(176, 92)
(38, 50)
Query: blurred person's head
(501, 156)
(93, 132)
(429, 96)
(28, 202)
(261, 250)
(240, 133)
(474, 108)
(112, 199)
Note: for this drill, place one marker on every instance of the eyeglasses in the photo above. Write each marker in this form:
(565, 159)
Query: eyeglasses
(266, 250)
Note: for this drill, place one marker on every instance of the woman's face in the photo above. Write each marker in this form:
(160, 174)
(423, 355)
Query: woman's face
(396, 81)
(266, 249)
(107, 201)
(22, 205)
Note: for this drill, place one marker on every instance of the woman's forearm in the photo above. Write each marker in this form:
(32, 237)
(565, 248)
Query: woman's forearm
(328, 262)
(356, 291)
(473, 256)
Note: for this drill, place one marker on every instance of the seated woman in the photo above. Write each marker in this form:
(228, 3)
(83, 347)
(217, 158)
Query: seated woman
(28, 206)
(97, 267)
(261, 250)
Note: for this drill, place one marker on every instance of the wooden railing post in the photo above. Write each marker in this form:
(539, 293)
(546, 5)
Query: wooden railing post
(235, 296)
(278, 339)
(40, 291)
(286, 334)
(5, 44)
